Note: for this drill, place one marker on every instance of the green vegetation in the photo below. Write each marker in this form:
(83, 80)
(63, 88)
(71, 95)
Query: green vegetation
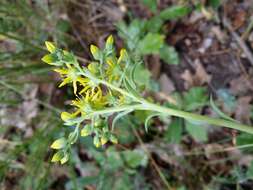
(120, 131)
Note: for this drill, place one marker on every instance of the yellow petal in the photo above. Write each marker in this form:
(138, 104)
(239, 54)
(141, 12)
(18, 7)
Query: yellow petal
(75, 87)
(65, 81)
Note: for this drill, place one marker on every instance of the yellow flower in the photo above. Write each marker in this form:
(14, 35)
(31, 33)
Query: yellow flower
(69, 75)
(83, 104)
(90, 87)
(89, 103)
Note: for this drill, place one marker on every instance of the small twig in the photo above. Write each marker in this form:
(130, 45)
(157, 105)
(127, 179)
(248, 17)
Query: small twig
(158, 170)
(238, 39)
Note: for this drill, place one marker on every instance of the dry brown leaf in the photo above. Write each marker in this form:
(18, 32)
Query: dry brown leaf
(166, 84)
(219, 34)
(155, 66)
(199, 78)
(243, 109)
(211, 148)
(240, 85)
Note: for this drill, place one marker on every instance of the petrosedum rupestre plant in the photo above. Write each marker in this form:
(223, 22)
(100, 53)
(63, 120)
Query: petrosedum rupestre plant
(106, 88)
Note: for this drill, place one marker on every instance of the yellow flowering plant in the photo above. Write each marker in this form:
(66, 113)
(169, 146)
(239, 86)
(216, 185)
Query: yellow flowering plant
(106, 88)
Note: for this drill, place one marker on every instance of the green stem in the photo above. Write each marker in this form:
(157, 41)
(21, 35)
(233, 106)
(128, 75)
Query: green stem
(117, 109)
(200, 118)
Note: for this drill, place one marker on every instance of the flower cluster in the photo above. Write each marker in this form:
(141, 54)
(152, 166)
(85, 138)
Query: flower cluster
(93, 99)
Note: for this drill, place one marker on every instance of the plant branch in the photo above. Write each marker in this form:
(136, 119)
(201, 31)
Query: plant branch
(145, 105)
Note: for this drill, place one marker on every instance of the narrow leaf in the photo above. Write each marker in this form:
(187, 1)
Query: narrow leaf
(148, 118)
(219, 112)
(120, 115)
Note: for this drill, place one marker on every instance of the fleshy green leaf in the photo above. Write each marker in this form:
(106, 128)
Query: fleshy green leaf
(195, 98)
(59, 143)
(169, 55)
(174, 12)
(151, 43)
(174, 132)
(131, 33)
(135, 158)
(142, 76)
(154, 24)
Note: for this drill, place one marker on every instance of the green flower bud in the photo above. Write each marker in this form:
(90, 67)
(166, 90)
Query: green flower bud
(96, 141)
(95, 52)
(104, 139)
(87, 130)
(109, 42)
(65, 158)
(58, 156)
(59, 143)
(50, 47)
(113, 139)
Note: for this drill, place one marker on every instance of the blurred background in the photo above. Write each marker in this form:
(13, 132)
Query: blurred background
(190, 48)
